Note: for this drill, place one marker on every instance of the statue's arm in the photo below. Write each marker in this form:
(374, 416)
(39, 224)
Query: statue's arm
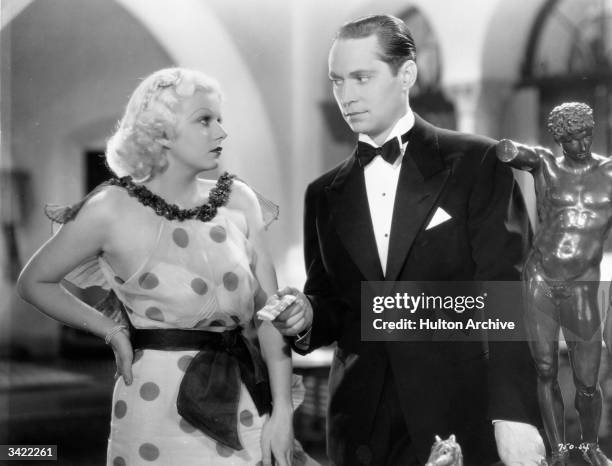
(521, 156)
(607, 165)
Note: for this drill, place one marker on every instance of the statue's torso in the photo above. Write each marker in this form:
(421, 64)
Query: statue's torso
(575, 215)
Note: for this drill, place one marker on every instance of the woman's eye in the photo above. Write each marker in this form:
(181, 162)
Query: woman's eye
(205, 120)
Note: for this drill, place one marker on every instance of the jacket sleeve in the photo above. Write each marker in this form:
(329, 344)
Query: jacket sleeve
(328, 307)
(500, 237)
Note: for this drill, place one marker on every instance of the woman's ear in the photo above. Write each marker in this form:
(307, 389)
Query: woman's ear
(165, 142)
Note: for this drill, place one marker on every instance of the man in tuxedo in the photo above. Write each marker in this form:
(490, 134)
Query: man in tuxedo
(414, 202)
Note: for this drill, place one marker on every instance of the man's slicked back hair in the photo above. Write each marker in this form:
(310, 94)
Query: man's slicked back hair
(393, 35)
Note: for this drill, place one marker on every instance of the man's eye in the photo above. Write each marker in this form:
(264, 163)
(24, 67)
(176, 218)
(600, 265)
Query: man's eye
(205, 120)
(363, 79)
(336, 82)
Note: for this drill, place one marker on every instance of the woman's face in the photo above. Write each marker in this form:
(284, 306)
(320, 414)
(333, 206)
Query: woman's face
(198, 132)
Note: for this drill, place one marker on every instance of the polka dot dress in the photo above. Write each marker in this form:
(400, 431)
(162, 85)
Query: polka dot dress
(147, 430)
(197, 276)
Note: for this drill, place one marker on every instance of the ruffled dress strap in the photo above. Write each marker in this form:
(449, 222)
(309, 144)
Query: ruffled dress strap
(270, 211)
(63, 213)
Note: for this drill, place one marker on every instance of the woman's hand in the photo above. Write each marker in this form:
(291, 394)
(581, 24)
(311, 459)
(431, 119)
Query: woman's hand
(277, 438)
(122, 347)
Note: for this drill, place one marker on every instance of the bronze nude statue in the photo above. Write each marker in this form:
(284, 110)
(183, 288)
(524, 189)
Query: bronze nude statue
(561, 274)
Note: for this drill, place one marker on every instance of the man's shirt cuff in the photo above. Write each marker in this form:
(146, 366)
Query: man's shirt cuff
(302, 339)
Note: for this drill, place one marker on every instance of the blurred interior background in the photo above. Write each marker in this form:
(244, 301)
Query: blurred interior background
(67, 67)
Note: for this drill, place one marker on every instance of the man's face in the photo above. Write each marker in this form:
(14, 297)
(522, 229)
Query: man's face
(370, 97)
(577, 146)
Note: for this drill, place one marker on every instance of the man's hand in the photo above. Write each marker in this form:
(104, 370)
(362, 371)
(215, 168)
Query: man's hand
(519, 443)
(297, 317)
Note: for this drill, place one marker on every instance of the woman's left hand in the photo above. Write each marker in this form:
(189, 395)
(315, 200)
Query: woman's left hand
(277, 439)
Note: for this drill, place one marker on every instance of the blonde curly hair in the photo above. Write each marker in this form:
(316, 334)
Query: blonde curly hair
(136, 148)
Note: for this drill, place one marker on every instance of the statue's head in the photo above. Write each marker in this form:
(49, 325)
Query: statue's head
(571, 124)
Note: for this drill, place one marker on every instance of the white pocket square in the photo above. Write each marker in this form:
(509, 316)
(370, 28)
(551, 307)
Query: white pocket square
(439, 217)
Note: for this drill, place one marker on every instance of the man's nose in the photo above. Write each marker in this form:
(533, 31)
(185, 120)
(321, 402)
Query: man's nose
(347, 94)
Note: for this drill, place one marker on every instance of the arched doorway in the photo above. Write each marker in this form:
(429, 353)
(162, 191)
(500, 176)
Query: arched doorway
(426, 97)
(569, 58)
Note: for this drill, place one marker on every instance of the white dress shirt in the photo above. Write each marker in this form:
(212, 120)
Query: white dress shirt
(381, 184)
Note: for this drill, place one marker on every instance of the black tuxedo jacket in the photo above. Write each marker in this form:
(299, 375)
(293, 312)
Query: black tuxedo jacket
(443, 387)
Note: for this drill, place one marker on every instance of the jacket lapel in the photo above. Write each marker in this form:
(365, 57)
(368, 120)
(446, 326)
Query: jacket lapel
(351, 217)
(422, 177)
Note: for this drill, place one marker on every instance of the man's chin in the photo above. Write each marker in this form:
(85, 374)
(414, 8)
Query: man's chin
(358, 127)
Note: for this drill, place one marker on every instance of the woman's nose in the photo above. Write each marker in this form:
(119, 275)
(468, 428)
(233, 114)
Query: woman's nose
(221, 134)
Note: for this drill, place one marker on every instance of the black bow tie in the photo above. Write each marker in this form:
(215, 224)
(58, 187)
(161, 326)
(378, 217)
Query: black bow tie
(389, 151)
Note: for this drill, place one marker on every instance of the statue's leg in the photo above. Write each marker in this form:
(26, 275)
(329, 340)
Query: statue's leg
(607, 333)
(581, 314)
(542, 325)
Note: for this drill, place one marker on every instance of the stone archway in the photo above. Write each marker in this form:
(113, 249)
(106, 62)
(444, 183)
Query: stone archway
(203, 42)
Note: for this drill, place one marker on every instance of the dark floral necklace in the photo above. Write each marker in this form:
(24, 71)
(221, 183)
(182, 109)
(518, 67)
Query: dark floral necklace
(218, 197)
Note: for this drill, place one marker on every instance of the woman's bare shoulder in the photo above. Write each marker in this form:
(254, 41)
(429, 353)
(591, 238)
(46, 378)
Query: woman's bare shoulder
(242, 196)
(106, 204)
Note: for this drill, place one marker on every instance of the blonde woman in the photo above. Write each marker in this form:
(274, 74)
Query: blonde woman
(185, 257)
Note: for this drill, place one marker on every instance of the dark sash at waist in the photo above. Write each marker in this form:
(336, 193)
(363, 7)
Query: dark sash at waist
(176, 339)
(210, 390)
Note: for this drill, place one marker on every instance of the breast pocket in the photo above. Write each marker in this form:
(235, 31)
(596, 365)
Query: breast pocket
(441, 250)
(445, 231)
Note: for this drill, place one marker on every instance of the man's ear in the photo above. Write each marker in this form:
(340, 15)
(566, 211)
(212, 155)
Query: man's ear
(408, 74)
